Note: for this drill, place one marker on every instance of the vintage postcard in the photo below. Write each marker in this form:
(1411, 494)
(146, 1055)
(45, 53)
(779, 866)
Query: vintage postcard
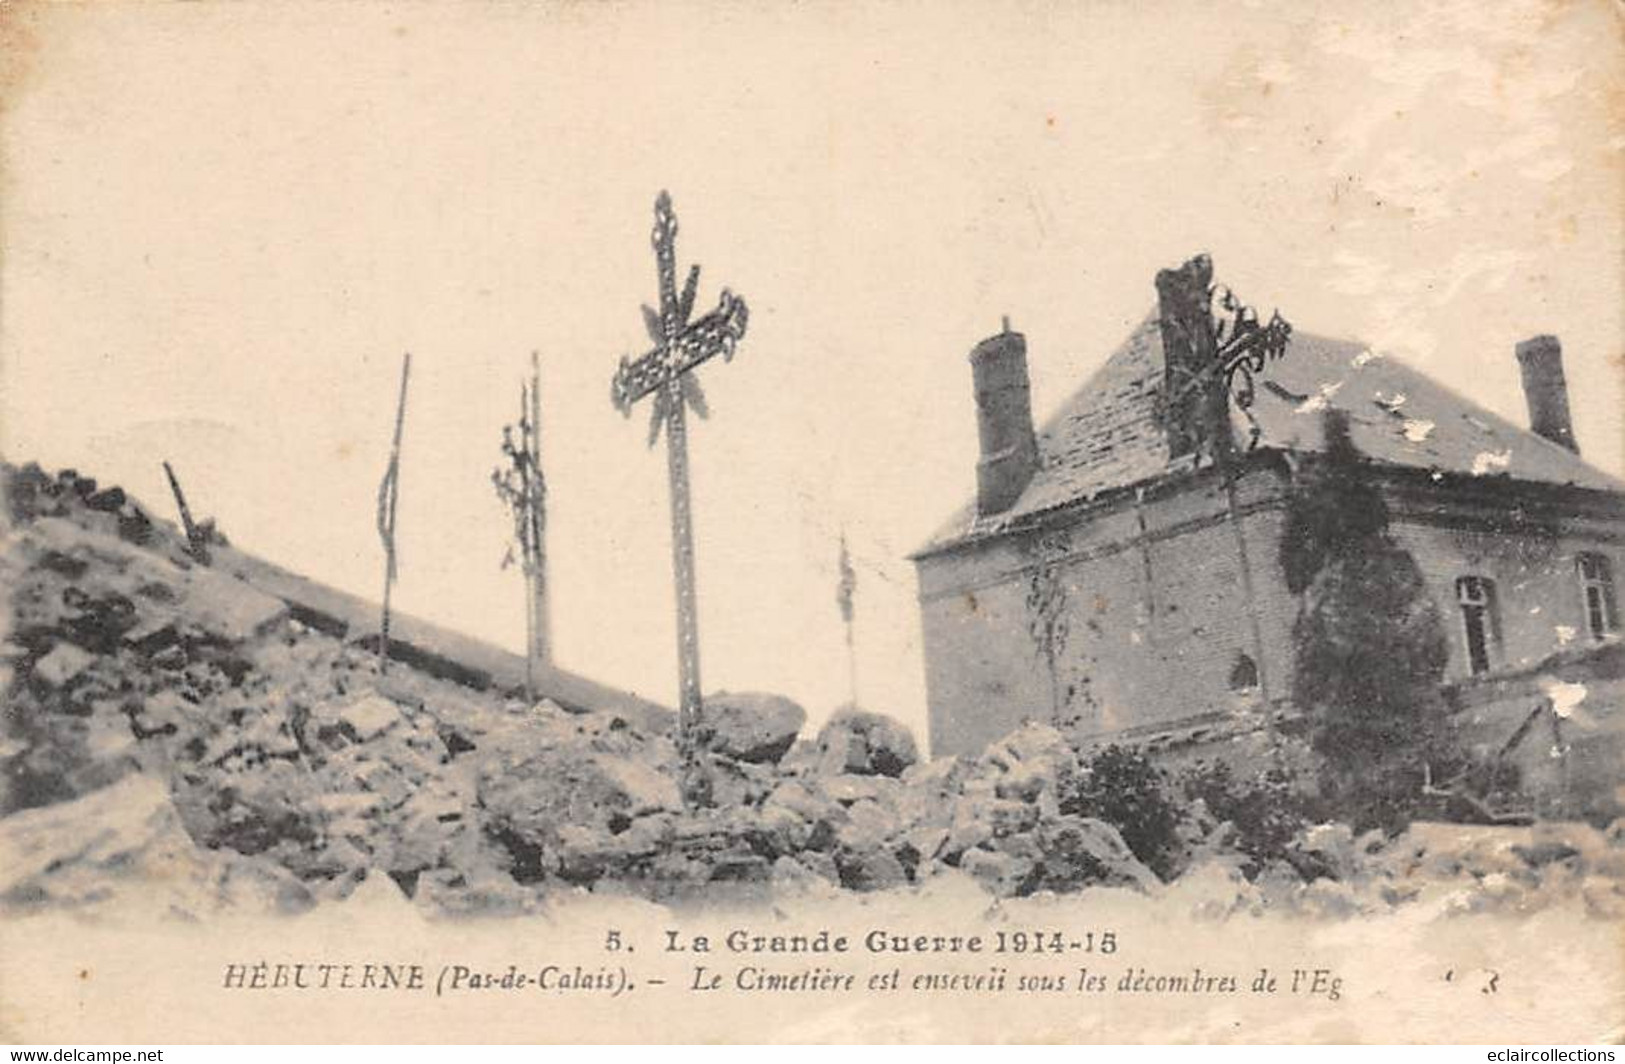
(1123, 539)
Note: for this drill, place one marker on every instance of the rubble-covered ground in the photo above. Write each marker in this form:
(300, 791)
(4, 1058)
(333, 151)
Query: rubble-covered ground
(176, 741)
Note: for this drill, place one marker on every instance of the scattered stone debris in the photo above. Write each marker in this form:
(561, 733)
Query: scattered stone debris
(865, 743)
(177, 743)
(758, 728)
(123, 848)
(62, 665)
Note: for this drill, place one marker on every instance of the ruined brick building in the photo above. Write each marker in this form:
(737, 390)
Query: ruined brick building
(1109, 579)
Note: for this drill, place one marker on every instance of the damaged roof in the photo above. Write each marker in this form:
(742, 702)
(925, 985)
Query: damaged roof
(1107, 435)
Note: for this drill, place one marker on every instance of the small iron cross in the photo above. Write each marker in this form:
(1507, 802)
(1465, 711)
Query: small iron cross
(665, 372)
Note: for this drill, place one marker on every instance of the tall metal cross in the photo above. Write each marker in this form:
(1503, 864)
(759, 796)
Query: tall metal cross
(664, 372)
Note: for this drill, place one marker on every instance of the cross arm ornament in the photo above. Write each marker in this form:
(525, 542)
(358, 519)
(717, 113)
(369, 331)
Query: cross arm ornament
(716, 333)
(1244, 345)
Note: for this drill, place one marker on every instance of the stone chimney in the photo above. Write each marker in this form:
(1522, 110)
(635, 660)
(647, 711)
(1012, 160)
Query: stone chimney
(1546, 390)
(1196, 409)
(1004, 421)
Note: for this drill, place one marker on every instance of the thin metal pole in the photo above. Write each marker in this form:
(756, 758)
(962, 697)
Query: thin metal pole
(388, 496)
(682, 556)
(195, 544)
(845, 598)
(526, 539)
(541, 634)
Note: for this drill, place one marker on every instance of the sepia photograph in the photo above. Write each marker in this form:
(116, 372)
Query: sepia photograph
(744, 522)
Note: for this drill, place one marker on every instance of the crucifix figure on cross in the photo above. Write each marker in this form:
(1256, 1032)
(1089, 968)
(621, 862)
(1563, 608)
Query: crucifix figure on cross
(665, 372)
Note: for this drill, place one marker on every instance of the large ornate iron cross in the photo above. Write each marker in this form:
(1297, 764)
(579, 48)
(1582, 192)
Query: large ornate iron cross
(664, 372)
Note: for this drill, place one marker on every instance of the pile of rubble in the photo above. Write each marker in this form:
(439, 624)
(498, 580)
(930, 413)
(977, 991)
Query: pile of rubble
(175, 738)
(853, 809)
(1448, 869)
(149, 697)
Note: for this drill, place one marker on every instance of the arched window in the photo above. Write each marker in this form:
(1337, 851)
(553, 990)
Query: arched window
(1480, 624)
(1597, 588)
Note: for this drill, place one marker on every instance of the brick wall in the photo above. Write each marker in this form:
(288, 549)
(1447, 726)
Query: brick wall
(1157, 619)
(1155, 613)
(1538, 599)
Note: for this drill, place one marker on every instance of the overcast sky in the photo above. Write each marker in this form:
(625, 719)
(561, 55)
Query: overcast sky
(223, 224)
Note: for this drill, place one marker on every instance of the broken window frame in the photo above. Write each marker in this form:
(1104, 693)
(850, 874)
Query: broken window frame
(1597, 603)
(1480, 622)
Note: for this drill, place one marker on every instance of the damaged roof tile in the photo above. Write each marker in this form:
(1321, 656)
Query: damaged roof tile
(1107, 435)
